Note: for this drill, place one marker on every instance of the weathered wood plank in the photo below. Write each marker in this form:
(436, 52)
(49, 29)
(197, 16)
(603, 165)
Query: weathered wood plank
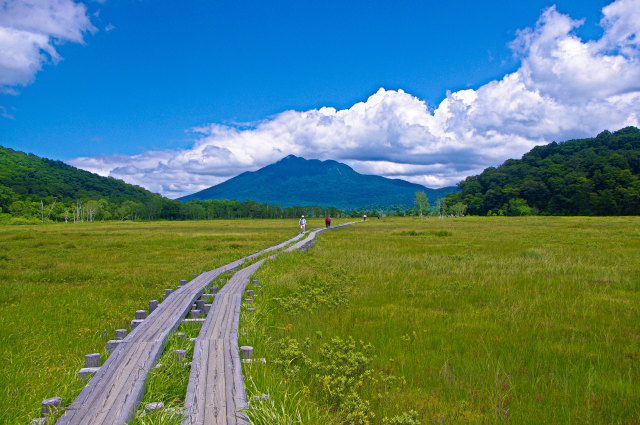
(215, 357)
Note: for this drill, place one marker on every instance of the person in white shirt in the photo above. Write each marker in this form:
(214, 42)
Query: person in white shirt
(303, 224)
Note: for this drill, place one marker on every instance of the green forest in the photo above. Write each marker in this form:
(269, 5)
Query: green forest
(34, 189)
(596, 176)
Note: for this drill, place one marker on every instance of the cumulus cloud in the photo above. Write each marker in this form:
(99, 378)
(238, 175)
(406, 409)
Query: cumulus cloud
(564, 88)
(29, 33)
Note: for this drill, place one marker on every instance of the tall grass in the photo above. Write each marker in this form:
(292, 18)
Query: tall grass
(474, 320)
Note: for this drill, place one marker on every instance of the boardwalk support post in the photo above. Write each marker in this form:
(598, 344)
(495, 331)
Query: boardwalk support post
(246, 352)
(141, 314)
(150, 407)
(121, 333)
(167, 292)
(135, 323)
(92, 360)
(153, 304)
(180, 354)
(112, 345)
(51, 405)
(91, 365)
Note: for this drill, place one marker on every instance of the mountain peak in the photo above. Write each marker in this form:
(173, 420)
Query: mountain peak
(290, 160)
(294, 180)
(291, 157)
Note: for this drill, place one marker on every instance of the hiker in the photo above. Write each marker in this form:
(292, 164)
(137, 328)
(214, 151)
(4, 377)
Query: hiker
(303, 224)
(364, 217)
(327, 221)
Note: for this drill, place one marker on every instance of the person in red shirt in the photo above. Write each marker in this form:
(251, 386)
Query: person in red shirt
(327, 221)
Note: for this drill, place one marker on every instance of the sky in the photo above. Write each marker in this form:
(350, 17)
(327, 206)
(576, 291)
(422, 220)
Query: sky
(179, 96)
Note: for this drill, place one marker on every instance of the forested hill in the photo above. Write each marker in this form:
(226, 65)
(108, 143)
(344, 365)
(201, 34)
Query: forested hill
(595, 176)
(27, 182)
(38, 178)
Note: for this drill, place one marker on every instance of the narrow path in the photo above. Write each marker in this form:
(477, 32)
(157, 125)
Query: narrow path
(215, 393)
(307, 242)
(113, 393)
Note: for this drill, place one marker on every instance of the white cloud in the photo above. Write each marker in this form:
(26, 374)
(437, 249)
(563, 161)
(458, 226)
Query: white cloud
(564, 88)
(29, 31)
(5, 113)
(559, 65)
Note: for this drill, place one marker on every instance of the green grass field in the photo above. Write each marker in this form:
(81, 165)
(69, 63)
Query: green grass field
(64, 289)
(472, 320)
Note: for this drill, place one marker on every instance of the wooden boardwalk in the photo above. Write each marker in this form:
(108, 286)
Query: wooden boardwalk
(307, 242)
(113, 393)
(215, 393)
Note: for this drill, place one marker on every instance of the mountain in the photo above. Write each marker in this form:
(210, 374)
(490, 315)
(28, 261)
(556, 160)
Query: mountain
(594, 176)
(298, 181)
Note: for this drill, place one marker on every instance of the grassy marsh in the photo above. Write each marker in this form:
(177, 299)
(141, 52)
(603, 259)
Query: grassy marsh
(473, 320)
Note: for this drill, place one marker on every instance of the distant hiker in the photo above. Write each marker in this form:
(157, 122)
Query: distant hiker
(303, 224)
(364, 217)
(327, 221)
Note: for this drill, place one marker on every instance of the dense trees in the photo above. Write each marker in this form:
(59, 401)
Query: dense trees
(596, 176)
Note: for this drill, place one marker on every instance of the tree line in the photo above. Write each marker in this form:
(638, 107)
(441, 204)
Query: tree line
(19, 211)
(24, 211)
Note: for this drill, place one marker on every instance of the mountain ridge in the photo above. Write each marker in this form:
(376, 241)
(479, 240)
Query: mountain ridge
(294, 180)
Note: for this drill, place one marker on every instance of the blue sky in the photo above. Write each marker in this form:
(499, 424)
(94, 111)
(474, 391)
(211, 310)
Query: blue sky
(177, 96)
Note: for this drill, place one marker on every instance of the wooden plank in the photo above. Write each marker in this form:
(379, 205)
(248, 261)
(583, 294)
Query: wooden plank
(113, 394)
(309, 240)
(220, 401)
